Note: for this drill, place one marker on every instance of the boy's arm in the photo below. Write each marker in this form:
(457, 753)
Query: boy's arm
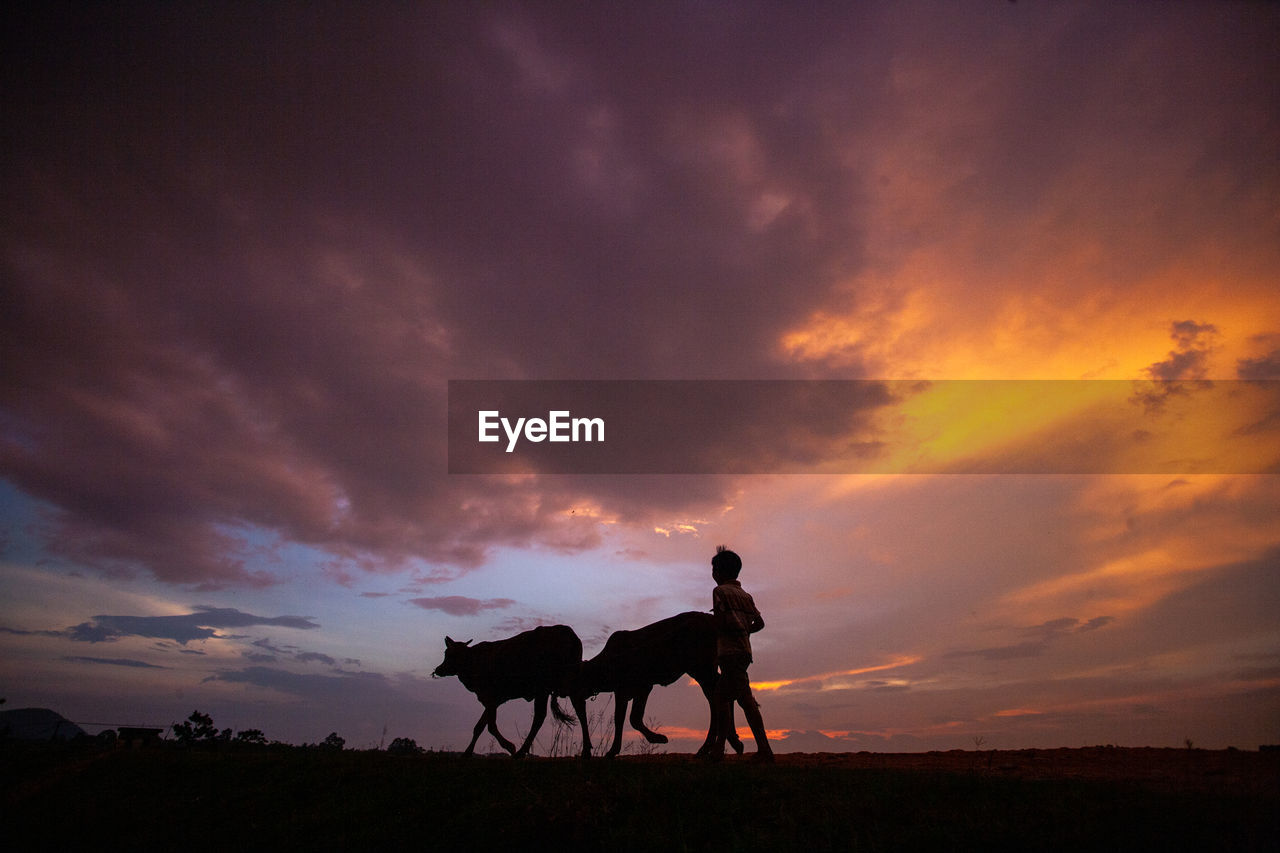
(717, 609)
(755, 622)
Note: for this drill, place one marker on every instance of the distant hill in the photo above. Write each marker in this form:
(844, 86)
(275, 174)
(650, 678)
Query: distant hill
(36, 724)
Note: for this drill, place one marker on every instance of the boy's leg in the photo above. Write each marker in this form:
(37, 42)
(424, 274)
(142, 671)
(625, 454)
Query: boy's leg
(721, 708)
(751, 710)
(729, 686)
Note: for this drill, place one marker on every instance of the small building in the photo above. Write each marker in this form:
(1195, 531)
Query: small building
(135, 736)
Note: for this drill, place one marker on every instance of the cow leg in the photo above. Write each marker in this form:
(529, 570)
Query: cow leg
(619, 720)
(732, 735)
(475, 734)
(713, 726)
(539, 715)
(637, 717)
(488, 718)
(580, 708)
(492, 714)
(707, 682)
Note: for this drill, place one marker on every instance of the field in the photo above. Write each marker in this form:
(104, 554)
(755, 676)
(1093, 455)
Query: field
(166, 797)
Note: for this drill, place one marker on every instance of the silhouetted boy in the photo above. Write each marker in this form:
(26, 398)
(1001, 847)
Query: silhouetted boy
(736, 619)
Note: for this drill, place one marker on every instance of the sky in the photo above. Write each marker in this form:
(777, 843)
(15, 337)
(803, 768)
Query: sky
(246, 248)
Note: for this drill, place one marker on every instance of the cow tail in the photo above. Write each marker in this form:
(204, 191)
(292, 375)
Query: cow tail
(559, 713)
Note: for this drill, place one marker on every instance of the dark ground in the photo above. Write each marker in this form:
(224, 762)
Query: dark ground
(170, 798)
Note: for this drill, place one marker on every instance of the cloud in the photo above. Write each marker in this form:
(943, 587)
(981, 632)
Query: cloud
(88, 632)
(224, 335)
(1189, 361)
(274, 652)
(337, 688)
(1175, 374)
(1043, 636)
(457, 605)
(1055, 628)
(200, 625)
(1263, 367)
(23, 633)
(274, 363)
(315, 657)
(113, 662)
(1027, 649)
(1228, 601)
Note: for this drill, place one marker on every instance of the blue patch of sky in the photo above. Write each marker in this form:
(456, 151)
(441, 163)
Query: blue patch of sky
(19, 514)
(589, 591)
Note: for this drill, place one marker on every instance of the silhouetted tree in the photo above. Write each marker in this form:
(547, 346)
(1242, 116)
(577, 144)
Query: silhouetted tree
(404, 746)
(251, 736)
(198, 728)
(333, 741)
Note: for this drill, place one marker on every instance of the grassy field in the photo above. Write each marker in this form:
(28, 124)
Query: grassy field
(312, 799)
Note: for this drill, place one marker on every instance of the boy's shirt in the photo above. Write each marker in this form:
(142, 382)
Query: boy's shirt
(737, 617)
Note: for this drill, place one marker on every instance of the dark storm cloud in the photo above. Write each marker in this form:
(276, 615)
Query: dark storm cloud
(201, 625)
(242, 277)
(236, 280)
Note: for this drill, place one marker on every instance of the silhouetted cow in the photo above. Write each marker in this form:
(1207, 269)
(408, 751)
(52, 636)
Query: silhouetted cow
(632, 662)
(536, 665)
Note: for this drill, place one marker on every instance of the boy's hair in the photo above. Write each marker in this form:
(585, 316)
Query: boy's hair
(726, 563)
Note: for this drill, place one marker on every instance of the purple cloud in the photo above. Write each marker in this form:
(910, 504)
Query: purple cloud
(457, 605)
(201, 625)
(236, 316)
(113, 662)
(315, 657)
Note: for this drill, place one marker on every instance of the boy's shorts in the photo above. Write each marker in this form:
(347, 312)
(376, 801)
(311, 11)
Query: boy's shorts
(734, 683)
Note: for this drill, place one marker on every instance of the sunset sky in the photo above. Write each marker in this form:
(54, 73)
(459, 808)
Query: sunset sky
(247, 246)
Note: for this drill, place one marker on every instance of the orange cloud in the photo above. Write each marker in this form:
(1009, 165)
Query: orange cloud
(905, 660)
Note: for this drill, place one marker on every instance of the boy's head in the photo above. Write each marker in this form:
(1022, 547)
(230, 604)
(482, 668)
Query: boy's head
(725, 565)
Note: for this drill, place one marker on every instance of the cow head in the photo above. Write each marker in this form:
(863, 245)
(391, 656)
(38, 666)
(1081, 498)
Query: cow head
(454, 652)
